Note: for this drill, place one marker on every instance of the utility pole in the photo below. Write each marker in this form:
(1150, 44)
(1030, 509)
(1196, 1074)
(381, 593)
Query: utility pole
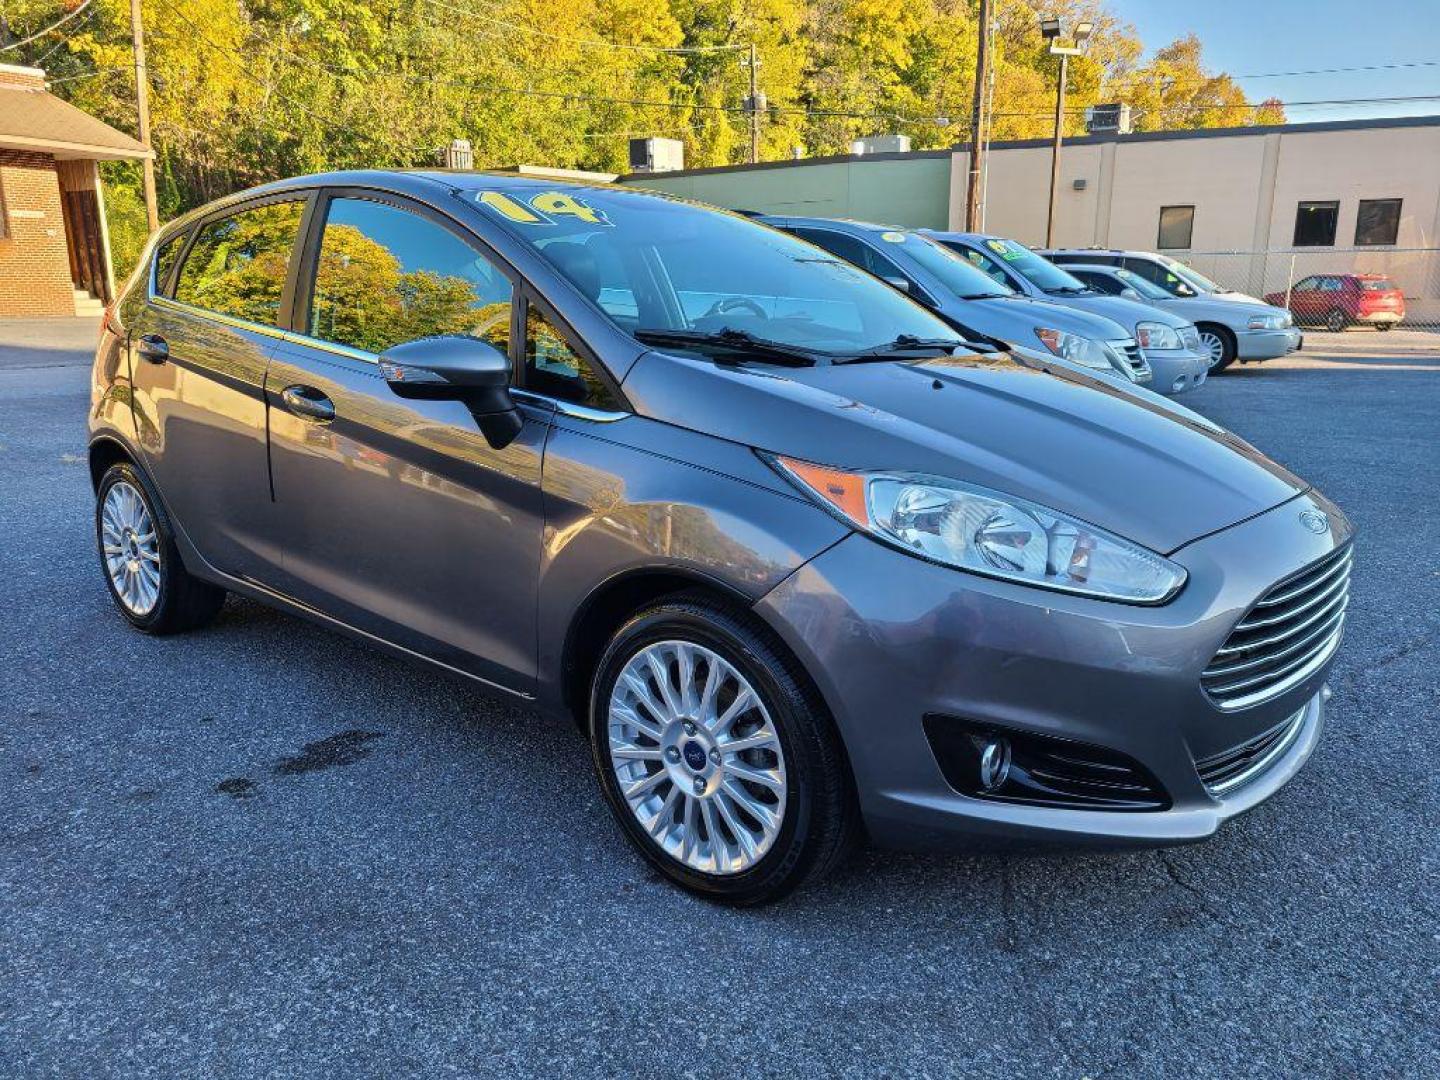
(754, 105)
(142, 106)
(977, 122)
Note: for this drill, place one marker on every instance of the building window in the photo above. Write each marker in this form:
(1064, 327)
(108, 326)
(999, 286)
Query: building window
(1378, 222)
(1315, 224)
(1177, 225)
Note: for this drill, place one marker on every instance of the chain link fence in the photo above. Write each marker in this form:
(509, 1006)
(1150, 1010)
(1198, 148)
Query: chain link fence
(1309, 279)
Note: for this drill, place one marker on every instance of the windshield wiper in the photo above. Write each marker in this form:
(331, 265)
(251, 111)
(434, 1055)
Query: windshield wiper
(906, 345)
(1068, 290)
(732, 340)
(986, 296)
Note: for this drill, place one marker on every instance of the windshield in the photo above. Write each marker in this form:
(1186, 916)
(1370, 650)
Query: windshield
(657, 265)
(1191, 275)
(1148, 289)
(955, 273)
(1041, 273)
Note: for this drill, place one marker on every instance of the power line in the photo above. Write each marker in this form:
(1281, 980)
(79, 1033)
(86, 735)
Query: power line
(1340, 70)
(53, 26)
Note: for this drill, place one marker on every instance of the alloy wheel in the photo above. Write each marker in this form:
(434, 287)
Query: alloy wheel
(1214, 347)
(696, 757)
(131, 548)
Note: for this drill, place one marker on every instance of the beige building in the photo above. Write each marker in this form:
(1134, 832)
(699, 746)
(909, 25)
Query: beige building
(1250, 206)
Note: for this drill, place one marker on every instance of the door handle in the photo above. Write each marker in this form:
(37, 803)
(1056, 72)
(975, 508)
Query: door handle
(154, 348)
(309, 403)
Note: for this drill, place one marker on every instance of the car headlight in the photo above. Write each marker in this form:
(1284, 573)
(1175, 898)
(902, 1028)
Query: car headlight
(1078, 350)
(1268, 322)
(984, 532)
(1154, 335)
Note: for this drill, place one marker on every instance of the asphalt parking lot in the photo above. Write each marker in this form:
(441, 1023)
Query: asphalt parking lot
(265, 850)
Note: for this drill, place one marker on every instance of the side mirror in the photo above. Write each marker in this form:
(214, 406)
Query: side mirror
(1129, 293)
(458, 368)
(897, 283)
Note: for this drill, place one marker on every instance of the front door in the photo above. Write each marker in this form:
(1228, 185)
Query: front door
(198, 354)
(398, 518)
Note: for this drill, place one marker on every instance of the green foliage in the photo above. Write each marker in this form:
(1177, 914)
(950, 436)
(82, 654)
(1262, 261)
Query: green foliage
(243, 91)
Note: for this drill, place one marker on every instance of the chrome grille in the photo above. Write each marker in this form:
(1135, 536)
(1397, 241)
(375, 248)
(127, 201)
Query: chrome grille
(1134, 359)
(1233, 768)
(1289, 633)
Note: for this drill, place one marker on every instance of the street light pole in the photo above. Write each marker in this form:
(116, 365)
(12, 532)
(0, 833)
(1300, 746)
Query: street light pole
(1050, 30)
(977, 121)
(142, 109)
(1055, 151)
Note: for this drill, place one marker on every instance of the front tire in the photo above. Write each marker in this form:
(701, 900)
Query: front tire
(1335, 321)
(716, 755)
(142, 567)
(1219, 345)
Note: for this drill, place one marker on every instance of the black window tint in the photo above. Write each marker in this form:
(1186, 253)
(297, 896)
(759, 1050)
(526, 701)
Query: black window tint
(846, 247)
(553, 368)
(385, 276)
(165, 257)
(1377, 222)
(1315, 224)
(237, 265)
(987, 264)
(1177, 224)
(1104, 282)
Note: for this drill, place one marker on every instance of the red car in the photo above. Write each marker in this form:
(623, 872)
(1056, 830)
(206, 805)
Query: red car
(1336, 301)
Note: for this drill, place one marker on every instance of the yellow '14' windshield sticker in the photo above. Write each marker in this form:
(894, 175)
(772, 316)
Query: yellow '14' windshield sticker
(542, 209)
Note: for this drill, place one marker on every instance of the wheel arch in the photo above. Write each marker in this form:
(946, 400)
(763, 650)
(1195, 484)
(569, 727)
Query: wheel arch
(105, 451)
(608, 605)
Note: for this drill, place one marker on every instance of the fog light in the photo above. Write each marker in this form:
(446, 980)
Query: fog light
(994, 764)
(1178, 385)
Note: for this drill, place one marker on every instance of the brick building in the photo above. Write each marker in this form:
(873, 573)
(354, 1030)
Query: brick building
(54, 247)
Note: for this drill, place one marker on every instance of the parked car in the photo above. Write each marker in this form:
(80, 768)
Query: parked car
(1336, 301)
(1228, 328)
(796, 559)
(980, 308)
(1171, 343)
(1172, 275)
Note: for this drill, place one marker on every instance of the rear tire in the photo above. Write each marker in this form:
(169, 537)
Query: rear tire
(1384, 326)
(140, 561)
(1335, 321)
(1219, 343)
(695, 799)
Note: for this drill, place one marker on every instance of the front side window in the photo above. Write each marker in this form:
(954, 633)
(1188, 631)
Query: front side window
(385, 276)
(165, 257)
(955, 272)
(237, 265)
(656, 265)
(1020, 260)
(1377, 222)
(1177, 224)
(1315, 224)
(555, 369)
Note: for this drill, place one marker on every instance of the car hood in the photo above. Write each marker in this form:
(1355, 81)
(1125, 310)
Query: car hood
(1120, 458)
(1016, 318)
(1235, 297)
(1128, 313)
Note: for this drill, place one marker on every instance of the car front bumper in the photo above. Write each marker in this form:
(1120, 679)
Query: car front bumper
(890, 639)
(1176, 371)
(1266, 344)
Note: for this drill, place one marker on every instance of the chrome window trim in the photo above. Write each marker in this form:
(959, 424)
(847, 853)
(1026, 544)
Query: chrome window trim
(569, 408)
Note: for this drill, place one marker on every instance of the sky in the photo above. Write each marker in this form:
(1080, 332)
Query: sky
(1243, 37)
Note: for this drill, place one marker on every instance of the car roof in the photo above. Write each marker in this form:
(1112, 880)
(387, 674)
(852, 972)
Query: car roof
(848, 223)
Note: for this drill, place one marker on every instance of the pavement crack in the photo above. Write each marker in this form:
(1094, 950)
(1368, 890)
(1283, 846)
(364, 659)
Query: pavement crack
(1203, 905)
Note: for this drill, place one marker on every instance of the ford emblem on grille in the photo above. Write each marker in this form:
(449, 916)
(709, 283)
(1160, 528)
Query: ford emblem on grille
(1315, 521)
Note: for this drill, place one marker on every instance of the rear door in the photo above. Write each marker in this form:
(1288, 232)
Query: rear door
(199, 351)
(1305, 298)
(398, 517)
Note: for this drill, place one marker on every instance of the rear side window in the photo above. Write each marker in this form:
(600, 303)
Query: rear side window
(386, 276)
(165, 257)
(1378, 285)
(238, 264)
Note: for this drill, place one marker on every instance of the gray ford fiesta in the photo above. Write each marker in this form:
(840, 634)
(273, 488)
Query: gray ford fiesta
(802, 565)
